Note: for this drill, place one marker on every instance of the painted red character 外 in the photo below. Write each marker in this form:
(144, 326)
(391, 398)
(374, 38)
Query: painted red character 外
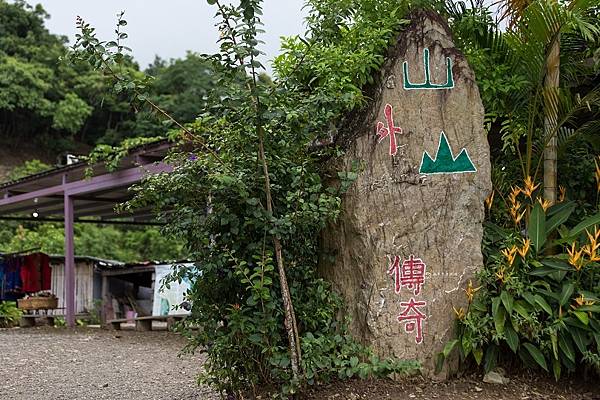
(390, 130)
(413, 318)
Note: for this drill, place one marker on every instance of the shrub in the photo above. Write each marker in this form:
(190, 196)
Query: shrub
(539, 294)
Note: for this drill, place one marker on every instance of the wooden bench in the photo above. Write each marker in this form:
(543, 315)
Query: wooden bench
(145, 323)
(28, 320)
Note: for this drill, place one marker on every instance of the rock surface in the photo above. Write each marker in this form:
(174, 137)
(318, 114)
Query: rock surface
(393, 209)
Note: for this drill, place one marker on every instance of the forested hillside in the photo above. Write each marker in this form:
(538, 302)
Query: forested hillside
(49, 106)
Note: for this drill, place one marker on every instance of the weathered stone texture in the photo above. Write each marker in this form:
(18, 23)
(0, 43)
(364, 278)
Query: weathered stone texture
(392, 209)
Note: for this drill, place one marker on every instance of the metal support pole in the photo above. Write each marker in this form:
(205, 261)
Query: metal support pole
(69, 262)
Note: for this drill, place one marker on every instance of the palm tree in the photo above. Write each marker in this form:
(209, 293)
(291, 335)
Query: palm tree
(543, 45)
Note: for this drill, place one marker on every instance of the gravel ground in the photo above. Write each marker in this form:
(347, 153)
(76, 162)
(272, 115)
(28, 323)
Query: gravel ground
(55, 363)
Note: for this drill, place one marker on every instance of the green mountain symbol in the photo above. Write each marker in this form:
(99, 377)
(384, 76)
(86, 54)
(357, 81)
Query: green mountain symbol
(445, 162)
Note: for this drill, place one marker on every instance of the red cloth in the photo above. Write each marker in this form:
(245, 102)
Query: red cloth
(30, 274)
(46, 271)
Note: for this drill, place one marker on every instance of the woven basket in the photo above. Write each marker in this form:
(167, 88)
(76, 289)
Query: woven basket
(38, 303)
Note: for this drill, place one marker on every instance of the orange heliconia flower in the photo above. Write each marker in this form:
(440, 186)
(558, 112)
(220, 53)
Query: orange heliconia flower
(591, 249)
(525, 248)
(515, 191)
(460, 313)
(489, 201)
(529, 186)
(575, 258)
(510, 254)
(544, 203)
(514, 212)
(470, 291)
(500, 274)
(562, 193)
(581, 301)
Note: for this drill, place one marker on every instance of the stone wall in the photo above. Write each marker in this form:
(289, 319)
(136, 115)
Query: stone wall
(409, 237)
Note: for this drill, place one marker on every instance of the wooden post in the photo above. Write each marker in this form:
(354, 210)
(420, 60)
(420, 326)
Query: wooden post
(104, 299)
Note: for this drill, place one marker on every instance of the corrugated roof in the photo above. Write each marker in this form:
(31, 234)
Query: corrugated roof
(77, 165)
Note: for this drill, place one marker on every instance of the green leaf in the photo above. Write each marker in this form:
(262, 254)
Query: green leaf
(439, 362)
(566, 293)
(543, 303)
(536, 354)
(578, 338)
(507, 300)
(582, 316)
(560, 216)
(491, 358)
(478, 355)
(353, 361)
(449, 347)
(556, 264)
(537, 227)
(554, 340)
(589, 308)
(521, 308)
(560, 207)
(512, 338)
(556, 369)
(566, 347)
(499, 315)
(585, 224)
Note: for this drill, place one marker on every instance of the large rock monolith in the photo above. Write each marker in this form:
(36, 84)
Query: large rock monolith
(409, 237)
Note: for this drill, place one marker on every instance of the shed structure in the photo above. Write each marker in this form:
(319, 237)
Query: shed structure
(70, 194)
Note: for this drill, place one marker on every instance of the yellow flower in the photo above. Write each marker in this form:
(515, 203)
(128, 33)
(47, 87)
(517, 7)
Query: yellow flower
(470, 291)
(489, 201)
(562, 193)
(510, 254)
(581, 301)
(544, 203)
(575, 258)
(529, 186)
(591, 249)
(594, 238)
(514, 212)
(500, 274)
(525, 249)
(515, 190)
(460, 313)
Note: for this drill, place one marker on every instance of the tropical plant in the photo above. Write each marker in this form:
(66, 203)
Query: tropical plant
(537, 103)
(538, 294)
(9, 314)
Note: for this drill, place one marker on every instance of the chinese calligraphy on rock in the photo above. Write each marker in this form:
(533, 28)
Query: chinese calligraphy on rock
(411, 275)
(413, 318)
(390, 130)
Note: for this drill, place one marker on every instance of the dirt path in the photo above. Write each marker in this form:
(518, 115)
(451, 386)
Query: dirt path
(471, 387)
(58, 364)
(54, 363)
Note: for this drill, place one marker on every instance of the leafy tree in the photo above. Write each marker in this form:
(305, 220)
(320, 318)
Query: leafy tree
(248, 193)
(28, 168)
(511, 68)
(108, 241)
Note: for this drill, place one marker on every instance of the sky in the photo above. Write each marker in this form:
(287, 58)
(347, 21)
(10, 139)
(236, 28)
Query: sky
(169, 28)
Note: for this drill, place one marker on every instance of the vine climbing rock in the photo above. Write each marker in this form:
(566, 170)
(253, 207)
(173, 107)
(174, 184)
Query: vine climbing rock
(409, 237)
